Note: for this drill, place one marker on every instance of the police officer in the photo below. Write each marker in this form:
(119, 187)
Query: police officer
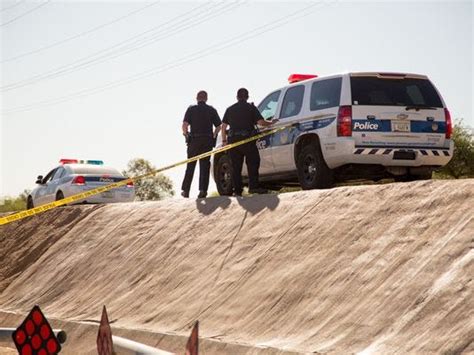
(242, 118)
(200, 139)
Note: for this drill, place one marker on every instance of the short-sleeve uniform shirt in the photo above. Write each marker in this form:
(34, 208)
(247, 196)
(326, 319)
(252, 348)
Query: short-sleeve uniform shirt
(201, 118)
(242, 116)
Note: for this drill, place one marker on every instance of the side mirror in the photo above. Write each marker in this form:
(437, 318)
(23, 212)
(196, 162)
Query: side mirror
(39, 179)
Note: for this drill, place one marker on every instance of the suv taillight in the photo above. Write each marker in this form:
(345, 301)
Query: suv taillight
(79, 180)
(449, 123)
(344, 121)
(130, 183)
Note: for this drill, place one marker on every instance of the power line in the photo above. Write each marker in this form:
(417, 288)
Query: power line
(131, 44)
(12, 6)
(184, 60)
(180, 62)
(25, 13)
(78, 62)
(55, 44)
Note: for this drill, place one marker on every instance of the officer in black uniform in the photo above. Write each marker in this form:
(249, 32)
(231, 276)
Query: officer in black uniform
(242, 118)
(201, 139)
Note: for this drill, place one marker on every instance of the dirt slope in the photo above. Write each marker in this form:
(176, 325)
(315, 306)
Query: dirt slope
(372, 269)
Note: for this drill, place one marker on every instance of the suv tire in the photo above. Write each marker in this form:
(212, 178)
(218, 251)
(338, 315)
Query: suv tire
(223, 175)
(313, 173)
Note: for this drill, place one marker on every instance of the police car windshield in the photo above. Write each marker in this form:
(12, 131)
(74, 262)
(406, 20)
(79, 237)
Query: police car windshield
(84, 169)
(394, 92)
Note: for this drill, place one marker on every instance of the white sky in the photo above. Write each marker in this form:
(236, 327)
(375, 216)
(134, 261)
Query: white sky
(143, 118)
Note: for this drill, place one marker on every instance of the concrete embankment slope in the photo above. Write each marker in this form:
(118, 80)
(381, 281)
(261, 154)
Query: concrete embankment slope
(374, 269)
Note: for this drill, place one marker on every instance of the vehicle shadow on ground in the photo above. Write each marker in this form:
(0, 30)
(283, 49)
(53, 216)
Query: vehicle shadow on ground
(251, 204)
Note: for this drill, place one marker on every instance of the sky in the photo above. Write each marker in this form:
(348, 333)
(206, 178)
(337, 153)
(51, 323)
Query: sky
(111, 80)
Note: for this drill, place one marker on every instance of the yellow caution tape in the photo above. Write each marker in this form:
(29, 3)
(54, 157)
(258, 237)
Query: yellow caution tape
(80, 196)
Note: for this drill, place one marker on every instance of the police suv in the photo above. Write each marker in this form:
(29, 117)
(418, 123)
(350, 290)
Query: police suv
(364, 125)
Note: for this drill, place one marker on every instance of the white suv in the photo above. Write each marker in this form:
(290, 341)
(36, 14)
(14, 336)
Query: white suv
(349, 126)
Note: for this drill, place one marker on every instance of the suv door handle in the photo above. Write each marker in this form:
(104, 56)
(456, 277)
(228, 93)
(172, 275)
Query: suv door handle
(370, 117)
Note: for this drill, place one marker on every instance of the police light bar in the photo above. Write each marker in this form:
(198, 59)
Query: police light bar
(68, 161)
(93, 162)
(294, 78)
(76, 161)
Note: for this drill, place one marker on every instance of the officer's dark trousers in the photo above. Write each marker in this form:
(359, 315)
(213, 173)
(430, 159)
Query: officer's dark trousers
(249, 151)
(198, 145)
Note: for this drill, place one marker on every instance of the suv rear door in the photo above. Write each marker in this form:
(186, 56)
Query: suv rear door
(396, 110)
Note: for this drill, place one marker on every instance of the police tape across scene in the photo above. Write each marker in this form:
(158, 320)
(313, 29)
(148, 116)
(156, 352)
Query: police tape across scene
(74, 198)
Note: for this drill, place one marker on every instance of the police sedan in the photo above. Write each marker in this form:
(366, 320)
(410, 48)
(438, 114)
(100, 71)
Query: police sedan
(74, 176)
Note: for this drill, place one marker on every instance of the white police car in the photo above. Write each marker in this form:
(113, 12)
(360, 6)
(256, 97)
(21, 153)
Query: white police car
(74, 176)
(349, 126)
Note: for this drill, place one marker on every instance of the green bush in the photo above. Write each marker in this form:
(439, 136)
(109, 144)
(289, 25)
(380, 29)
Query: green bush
(462, 163)
(155, 187)
(12, 204)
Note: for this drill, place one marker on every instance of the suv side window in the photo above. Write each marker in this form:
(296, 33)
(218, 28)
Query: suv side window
(325, 94)
(292, 102)
(59, 173)
(269, 105)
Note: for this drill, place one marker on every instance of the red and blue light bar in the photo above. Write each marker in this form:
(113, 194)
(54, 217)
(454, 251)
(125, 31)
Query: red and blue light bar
(68, 161)
(93, 162)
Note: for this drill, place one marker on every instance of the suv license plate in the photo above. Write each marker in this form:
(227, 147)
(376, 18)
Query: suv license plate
(404, 155)
(400, 126)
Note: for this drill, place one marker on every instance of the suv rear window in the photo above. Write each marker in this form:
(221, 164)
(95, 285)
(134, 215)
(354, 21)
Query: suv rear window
(393, 92)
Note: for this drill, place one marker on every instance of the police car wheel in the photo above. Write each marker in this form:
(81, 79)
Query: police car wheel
(313, 173)
(223, 176)
(29, 203)
(59, 196)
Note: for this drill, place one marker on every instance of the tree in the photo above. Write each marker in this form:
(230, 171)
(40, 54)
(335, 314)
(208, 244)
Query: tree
(11, 204)
(155, 187)
(462, 163)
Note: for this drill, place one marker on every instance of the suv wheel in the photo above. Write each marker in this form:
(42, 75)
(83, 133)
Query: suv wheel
(223, 176)
(313, 173)
(29, 203)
